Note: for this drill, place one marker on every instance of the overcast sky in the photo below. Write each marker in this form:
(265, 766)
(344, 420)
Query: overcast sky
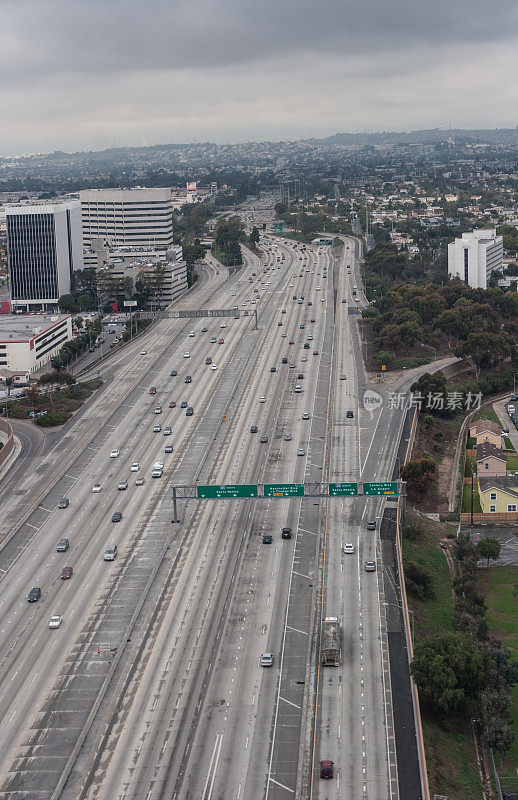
(85, 74)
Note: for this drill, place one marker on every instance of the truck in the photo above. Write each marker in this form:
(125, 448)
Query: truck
(331, 642)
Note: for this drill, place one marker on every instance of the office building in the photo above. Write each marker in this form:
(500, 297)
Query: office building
(127, 218)
(44, 247)
(474, 256)
(138, 266)
(27, 343)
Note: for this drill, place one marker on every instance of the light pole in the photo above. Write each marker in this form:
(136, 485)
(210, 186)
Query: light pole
(412, 624)
(431, 348)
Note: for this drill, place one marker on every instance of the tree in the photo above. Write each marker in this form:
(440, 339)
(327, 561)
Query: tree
(489, 548)
(67, 303)
(419, 475)
(498, 734)
(254, 236)
(450, 671)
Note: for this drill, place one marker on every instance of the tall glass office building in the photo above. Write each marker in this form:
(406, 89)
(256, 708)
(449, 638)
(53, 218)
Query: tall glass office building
(44, 247)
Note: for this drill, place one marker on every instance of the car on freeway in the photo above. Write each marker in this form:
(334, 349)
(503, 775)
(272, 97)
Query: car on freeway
(122, 485)
(297, 389)
(204, 329)
(221, 341)
(157, 428)
(143, 352)
(326, 768)
(263, 439)
(284, 360)
(285, 533)
(315, 352)
(97, 488)
(188, 379)
(152, 390)
(292, 365)
(66, 573)
(304, 358)
(279, 323)
(64, 502)
(167, 430)
(186, 354)
(349, 548)
(370, 566)
(172, 404)
(168, 448)
(349, 414)
(62, 546)
(214, 367)
(371, 525)
(254, 429)
(262, 399)
(110, 554)
(139, 482)
(55, 621)
(266, 660)
(173, 373)
(291, 341)
(287, 437)
(300, 376)
(191, 333)
(158, 410)
(312, 319)
(114, 453)
(305, 415)
(273, 369)
(189, 411)
(184, 404)
(213, 340)
(283, 335)
(306, 346)
(116, 516)
(343, 376)
(301, 451)
(208, 360)
(135, 467)
(267, 538)
(224, 324)
(283, 311)
(310, 337)
(34, 594)
(344, 300)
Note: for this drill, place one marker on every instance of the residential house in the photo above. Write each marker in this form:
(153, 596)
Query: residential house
(491, 461)
(485, 430)
(498, 495)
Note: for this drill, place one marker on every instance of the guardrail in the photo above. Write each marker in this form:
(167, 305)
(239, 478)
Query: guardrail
(8, 447)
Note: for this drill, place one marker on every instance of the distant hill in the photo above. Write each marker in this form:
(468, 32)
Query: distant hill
(492, 136)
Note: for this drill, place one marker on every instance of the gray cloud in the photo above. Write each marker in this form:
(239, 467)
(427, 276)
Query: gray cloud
(83, 73)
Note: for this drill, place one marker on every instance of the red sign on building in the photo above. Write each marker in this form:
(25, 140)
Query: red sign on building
(5, 307)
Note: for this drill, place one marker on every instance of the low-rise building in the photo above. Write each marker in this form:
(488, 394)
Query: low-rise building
(485, 430)
(29, 342)
(498, 495)
(491, 460)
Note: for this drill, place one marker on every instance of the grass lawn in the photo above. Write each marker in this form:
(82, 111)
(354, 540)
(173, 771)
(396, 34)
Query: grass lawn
(488, 413)
(466, 499)
(508, 444)
(512, 461)
(501, 592)
(432, 615)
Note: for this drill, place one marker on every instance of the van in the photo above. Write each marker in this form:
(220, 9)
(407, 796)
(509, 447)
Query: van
(157, 472)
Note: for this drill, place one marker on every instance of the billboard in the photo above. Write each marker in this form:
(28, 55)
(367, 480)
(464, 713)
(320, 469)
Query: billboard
(191, 187)
(130, 303)
(5, 307)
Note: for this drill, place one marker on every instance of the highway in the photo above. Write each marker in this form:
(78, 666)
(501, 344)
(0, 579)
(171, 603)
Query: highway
(151, 687)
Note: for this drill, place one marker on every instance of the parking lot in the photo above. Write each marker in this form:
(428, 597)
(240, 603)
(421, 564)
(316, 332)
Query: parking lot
(508, 538)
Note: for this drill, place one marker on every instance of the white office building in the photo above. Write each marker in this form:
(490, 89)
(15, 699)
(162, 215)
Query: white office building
(27, 343)
(44, 247)
(130, 218)
(474, 256)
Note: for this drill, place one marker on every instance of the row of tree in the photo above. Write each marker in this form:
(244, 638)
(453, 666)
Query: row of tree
(72, 349)
(228, 234)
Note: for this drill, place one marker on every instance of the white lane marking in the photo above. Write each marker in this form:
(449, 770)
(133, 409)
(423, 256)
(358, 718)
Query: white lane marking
(289, 703)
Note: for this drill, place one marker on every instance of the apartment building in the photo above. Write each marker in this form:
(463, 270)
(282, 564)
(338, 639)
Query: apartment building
(474, 256)
(127, 218)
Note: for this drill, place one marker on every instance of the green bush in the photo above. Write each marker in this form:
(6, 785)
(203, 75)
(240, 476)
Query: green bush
(53, 418)
(419, 581)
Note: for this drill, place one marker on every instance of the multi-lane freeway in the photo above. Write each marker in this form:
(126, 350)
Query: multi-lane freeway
(152, 685)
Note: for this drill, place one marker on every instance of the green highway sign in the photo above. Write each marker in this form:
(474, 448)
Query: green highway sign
(284, 490)
(230, 490)
(343, 490)
(389, 487)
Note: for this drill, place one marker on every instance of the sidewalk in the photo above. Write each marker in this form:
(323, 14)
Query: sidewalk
(505, 421)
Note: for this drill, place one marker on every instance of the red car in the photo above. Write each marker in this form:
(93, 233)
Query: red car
(326, 769)
(291, 341)
(220, 341)
(152, 390)
(315, 352)
(312, 319)
(66, 573)
(172, 404)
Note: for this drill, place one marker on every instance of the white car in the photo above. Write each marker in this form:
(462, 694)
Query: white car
(187, 354)
(224, 324)
(114, 453)
(214, 366)
(262, 399)
(143, 352)
(135, 466)
(191, 333)
(305, 415)
(349, 548)
(55, 621)
(301, 451)
(97, 488)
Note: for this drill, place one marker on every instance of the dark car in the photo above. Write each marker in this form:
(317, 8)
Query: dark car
(172, 404)
(64, 502)
(63, 545)
(371, 525)
(326, 769)
(273, 369)
(173, 373)
(286, 533)
(300, 376)
(284, 360)
(188, 379)
(183, 404)
(253, 429)
(267, 538)
(116, 516)
(66, 573)
(263, 439)
(34, 594)
(349, 415)
(306, 346)
(189, 412)
(279, 324)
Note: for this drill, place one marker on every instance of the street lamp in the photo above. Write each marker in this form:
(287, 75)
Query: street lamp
(412, 624)
(431, 348)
